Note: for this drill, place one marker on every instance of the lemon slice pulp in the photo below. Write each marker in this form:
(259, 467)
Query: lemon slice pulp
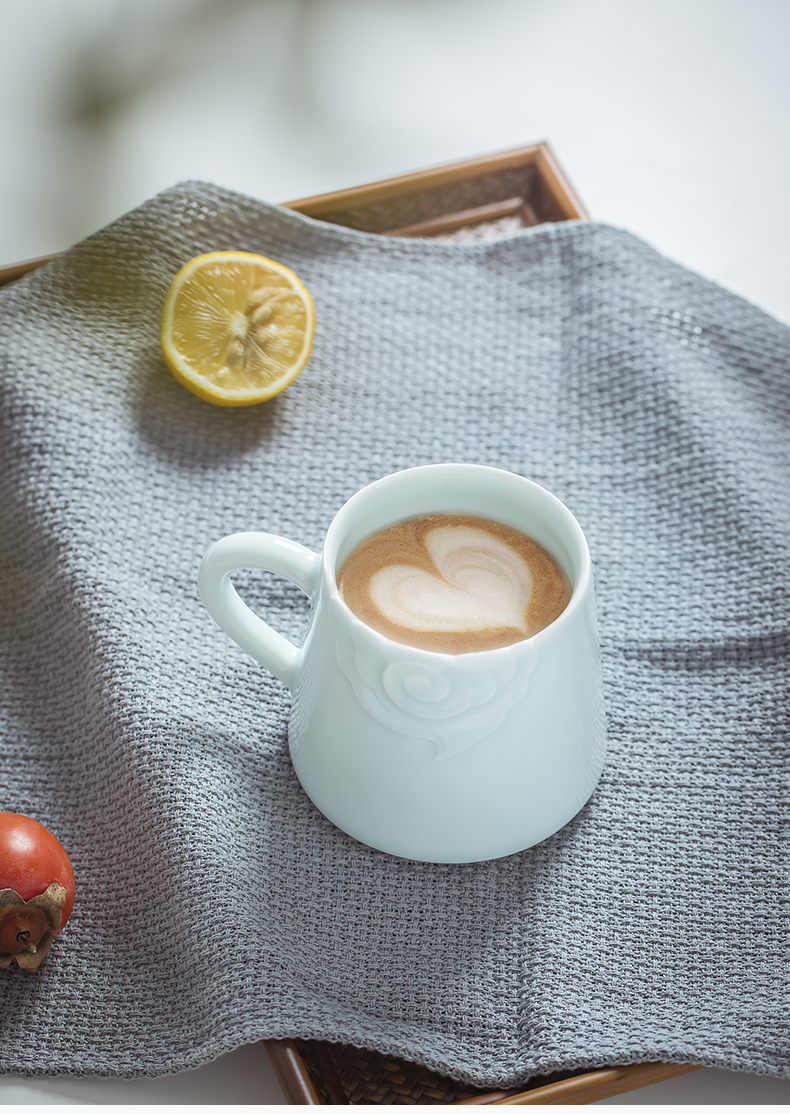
(237, 328)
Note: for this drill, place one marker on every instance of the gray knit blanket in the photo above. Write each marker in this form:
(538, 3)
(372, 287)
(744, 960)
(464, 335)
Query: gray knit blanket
(215, 905)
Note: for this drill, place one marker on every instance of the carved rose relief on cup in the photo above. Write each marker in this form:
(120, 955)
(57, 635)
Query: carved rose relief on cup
(453, 707)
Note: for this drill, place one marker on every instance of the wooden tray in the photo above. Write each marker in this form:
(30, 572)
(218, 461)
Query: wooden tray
(317, 1073)
(490, 195)
(481, 198)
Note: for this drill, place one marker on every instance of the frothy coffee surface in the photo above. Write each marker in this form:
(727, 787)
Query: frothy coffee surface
(454, 583)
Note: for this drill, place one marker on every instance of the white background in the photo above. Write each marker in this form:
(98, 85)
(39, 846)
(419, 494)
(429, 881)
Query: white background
(670, 118)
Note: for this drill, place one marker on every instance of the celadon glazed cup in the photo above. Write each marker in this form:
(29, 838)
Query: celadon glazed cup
(446, 758)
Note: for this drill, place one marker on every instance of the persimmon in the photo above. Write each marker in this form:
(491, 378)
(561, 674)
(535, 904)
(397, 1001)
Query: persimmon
(36, 890)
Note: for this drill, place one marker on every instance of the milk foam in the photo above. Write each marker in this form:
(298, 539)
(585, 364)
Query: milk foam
(453, 583)
(480, 582)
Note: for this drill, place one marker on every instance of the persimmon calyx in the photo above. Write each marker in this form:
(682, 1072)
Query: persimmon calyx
(27, 928)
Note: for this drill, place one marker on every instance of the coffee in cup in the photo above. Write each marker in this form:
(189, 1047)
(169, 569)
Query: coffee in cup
(454, 583)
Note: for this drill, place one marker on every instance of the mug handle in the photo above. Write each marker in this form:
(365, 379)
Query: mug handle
(253, 550)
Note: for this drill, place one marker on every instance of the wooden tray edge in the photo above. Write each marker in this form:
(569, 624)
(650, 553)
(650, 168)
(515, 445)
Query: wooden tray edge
(19, 270)
(592, 1086)
(538, 155)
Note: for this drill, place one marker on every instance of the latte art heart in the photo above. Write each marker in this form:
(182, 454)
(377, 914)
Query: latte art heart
(479, 583)
(453, 583)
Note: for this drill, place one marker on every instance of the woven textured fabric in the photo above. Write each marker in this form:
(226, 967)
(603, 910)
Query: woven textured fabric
(215, 904)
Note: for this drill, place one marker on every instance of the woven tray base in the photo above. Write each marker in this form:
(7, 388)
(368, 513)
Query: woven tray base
(369, 1077)
(343, 1073)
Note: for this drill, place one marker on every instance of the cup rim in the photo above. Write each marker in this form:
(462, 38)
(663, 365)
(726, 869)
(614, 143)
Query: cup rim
(338, 526)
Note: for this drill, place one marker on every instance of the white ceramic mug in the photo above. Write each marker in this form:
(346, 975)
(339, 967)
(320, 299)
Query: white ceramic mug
(437, 757)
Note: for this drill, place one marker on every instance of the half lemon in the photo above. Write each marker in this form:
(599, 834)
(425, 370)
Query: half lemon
(237, 328)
